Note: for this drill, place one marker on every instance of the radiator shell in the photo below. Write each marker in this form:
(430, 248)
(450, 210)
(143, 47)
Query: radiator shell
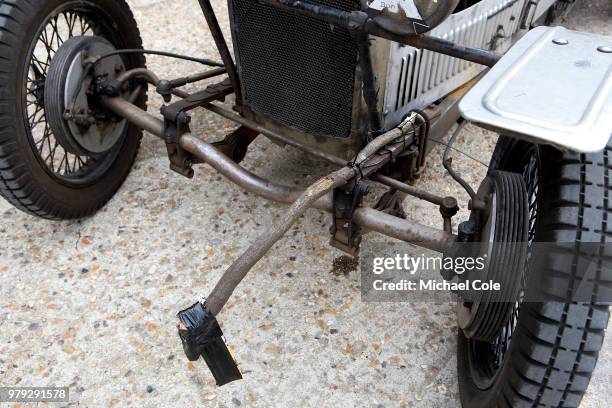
(301, 76)
(295, 70)
(414, 78)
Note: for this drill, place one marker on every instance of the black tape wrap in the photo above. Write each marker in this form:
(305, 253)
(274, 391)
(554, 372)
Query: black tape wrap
(203, 337)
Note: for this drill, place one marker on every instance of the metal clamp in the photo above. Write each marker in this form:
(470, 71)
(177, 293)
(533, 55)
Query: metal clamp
(174, 126)
(236, 144)
(176, 123)
(346, 234)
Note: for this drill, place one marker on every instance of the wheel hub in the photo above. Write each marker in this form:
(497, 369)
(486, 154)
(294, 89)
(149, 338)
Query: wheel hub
(78, 120)
(503, 246)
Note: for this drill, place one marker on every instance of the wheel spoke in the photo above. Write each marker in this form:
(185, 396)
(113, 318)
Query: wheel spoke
(44, 40)
(85, 26)
(66, 163)
(56, 34)
(75, 163)
(70, 20)
(39, 67)
(32, 119)
(43, 139)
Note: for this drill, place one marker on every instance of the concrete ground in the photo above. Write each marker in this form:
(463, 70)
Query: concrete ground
(90, 304)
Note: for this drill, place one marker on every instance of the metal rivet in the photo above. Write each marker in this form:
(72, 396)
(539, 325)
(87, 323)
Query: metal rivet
(605, 48)
(560, 41)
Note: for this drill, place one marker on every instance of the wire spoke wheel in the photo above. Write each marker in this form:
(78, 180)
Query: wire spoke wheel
(70, 20)
(538, 358)
(41, 172)
(63, 25)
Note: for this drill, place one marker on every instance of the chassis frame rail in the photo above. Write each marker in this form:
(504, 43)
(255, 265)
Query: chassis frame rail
(205, 152)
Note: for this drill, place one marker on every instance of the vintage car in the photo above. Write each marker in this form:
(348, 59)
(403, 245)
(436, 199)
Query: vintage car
(369, 86)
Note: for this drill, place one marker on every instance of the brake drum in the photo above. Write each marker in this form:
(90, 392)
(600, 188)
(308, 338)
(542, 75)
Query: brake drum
(503, 245)
(78, 121)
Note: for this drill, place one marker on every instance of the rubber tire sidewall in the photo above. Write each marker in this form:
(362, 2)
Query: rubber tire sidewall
(509, 378)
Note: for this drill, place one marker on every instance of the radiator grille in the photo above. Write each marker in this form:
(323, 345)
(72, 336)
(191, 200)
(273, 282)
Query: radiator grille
(296, 70)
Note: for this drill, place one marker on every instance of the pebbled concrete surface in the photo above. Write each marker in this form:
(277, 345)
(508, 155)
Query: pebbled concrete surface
(91, 304)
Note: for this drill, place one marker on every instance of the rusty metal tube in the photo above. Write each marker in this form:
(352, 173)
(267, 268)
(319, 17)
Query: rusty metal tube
(360, 20)
(404, 230)
(241, 266)
(410, 190)
(178, 82)
(135, 115)
(244, 178)
(144, 73)
(224, 51)
(153, 79)
(439, 45)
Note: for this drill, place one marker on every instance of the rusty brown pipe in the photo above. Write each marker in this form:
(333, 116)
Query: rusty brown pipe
(135, 115)
(241, 266)
(143, 73)
(237, 174)
(404, 230)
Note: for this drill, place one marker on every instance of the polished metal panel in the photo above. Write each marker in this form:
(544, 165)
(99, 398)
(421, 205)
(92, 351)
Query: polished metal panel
(415, 78)
(554, 86)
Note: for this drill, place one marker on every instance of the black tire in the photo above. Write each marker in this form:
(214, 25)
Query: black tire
(554, 346)
(26, 180)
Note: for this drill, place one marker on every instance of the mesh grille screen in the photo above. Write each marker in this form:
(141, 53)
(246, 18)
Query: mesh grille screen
(296, 70)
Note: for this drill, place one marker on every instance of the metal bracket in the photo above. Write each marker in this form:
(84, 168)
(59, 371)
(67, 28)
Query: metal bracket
(236, 144)
(107, 87)
(211, 93)
(180, 160)
(176, 123)
(391, 203)
(346, 234)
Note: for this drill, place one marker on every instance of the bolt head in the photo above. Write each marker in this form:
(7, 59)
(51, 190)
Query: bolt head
(606, 49)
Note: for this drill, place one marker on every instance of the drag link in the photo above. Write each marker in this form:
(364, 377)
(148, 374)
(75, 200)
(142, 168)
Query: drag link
(408, 189)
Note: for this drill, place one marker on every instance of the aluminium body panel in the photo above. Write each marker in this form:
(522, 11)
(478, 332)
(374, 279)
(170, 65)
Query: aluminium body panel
(410, 78)
(554, 87)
